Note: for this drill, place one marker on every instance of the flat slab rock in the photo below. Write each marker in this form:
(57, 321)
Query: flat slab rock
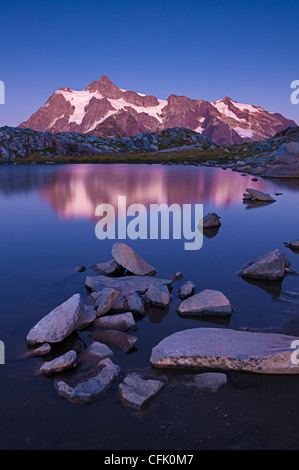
(271, 266)
(130, 260)
(259, 195)
(224, 350)
(60, 323)
(206, 302)
(98, 381)
(136, 392)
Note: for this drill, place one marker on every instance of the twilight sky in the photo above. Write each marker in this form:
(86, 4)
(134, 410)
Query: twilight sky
(247, 50)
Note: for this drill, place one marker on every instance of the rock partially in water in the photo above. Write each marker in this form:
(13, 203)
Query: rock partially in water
(90, 316)
(210, 302)
(121, 322)
(186, 290)
(80, 269)
(93, 354)
(42, 350)
(283, 171)
(137, 392)
(91, 385)
(60, 323)
(293, 245)
(211, 221)
(271, 266)
(108, 268)
(158, 296)
(226, 349)
(260, 196)
(106, 298)
(132, 261)
(130, 286)
(116, 339)
(59, 364)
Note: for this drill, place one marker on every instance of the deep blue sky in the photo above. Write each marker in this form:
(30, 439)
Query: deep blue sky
(207, 49)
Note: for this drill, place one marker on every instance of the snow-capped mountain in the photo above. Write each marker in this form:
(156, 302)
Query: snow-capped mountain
(105, 110)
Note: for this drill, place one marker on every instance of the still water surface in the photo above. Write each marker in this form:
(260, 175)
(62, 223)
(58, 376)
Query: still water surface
(47, 228)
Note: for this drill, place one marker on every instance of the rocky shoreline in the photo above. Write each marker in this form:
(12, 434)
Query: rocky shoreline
(277, 157)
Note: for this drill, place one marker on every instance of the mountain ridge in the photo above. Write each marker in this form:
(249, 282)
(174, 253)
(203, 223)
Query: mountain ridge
(105, 110)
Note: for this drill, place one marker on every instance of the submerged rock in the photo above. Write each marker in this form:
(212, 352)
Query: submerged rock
(225, 349)
(60, 323)
(272, 266)
(122, 322)
(210, 302)
(98, 381)
(210, 381)
(137, 392)
(59, 364)
(186, 290)
(130, 260)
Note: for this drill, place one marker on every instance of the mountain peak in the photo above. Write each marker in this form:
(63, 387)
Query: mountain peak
(105, 87)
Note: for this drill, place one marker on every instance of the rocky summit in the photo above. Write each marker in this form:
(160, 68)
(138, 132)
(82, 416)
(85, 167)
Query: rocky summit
(105, 110)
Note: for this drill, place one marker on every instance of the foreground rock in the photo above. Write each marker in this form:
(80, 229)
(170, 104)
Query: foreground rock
(42, 350)
(60, 323)
(272, 266)
(259, 195)
(105, 299)
(93, 354)
(158, 296)
(116, 339)
(208, 302)
(186, 290)
(60, 364)
(210, 221)
(130, 260)
(293, 245)
(108, 268)
(225, 349)
(121, 322)
(131, 287)
(98, 382)
(137, 392)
